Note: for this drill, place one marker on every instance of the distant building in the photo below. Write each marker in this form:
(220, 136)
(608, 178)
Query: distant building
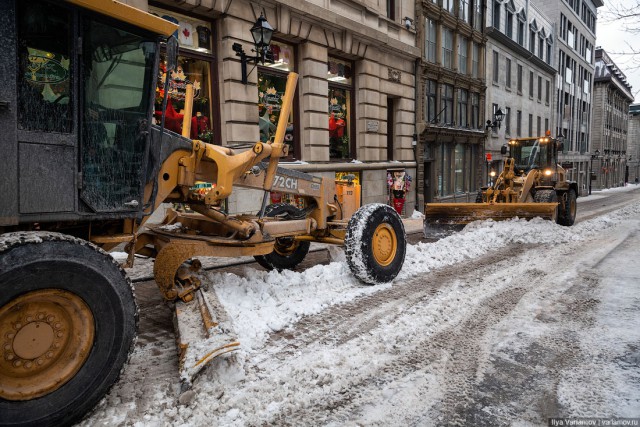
(575, 23)
(520, 73)
(633, 143)
(611, 99)
(451, 105)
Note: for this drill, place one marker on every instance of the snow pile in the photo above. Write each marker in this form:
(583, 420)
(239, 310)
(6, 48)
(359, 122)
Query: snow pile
(264, 302)
(119, 256)
(417, 215)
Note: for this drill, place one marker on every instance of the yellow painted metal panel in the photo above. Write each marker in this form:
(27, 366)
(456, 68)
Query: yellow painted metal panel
(128, 14)
(464, 213)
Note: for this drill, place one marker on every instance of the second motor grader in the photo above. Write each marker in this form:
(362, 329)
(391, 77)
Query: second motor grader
(531, 184)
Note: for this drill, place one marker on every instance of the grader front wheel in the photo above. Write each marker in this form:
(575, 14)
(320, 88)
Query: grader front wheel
(67, 325)
(287, 252)
(375, 244)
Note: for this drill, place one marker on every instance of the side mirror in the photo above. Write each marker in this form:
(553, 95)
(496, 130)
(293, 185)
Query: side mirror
(561, 146)
(172, 53)
(503, 150)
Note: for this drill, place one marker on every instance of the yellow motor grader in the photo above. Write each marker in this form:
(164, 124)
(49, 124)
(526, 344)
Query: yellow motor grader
(531, 184)
(85, 168)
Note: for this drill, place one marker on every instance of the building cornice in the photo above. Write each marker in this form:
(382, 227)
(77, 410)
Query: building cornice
(502, 38)
(327, 18)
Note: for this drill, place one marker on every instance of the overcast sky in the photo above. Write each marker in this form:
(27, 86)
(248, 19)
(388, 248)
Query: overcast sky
(612, 38)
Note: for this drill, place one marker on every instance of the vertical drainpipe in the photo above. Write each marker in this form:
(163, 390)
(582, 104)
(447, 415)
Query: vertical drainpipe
(414, 142)
(419, 25)
(526, 28)
(552, 60)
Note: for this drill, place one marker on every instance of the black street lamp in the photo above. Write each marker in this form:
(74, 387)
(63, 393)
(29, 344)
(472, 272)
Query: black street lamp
(261, 32)
(592, 175)
(498, 116)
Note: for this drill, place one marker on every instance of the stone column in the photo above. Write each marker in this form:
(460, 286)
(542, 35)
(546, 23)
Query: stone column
(371, 144)
(313, 89)
(238, 102)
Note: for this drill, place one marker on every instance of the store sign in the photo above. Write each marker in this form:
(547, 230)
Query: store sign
(272, 99)
(567, 165)
(44, 68)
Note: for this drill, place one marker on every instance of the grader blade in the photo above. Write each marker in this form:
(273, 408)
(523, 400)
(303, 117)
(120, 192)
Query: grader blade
(201, 334)
(448, 215)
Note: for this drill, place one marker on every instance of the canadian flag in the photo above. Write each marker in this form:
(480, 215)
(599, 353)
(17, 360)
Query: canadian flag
(186, 34)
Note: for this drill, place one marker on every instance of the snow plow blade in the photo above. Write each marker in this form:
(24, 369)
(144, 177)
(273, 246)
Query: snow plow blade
(449, 215)
(200, 335)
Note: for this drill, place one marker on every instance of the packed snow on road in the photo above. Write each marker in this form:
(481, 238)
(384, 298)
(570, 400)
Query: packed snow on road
(507, 322)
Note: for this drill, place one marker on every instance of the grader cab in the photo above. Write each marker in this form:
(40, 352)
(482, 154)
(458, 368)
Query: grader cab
(85, 168)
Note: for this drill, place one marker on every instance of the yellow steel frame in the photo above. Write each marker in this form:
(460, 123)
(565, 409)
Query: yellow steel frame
(128, 14)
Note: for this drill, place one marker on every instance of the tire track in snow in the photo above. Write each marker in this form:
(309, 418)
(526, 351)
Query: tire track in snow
(339, 325)
(458, 353)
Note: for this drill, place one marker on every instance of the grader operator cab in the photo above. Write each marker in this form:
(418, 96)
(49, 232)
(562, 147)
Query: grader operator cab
(531, 184)
(84, 169)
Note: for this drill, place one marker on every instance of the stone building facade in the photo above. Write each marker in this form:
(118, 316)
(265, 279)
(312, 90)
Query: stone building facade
(575, 23)
(611, 100)
(354, 106)
(520, 73)
(451, 98)
(633, 143)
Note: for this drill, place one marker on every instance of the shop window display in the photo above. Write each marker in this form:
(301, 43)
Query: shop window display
(339, 76)
(272, 82)
(398, 185)
(189, 71)
(194, 66)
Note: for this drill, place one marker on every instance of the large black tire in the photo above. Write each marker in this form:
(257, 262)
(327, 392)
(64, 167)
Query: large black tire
(568, 208)
(375, 244)
(547, 196)
(53, 272)
(287, 252)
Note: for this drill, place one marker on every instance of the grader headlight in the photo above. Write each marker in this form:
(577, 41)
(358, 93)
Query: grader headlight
(548, 172)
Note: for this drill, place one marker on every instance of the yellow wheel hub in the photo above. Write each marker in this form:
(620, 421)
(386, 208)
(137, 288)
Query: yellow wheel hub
(385, 244)
(46, 336)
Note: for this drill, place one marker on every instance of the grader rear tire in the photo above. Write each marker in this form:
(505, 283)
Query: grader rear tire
(568, 209)
(375, 244)
(287, 252)
(68, 319)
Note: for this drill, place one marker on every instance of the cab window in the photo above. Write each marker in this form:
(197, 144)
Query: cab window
(44, 67)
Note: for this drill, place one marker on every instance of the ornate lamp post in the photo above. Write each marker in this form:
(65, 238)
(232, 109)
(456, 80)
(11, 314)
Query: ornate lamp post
(261, 32)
